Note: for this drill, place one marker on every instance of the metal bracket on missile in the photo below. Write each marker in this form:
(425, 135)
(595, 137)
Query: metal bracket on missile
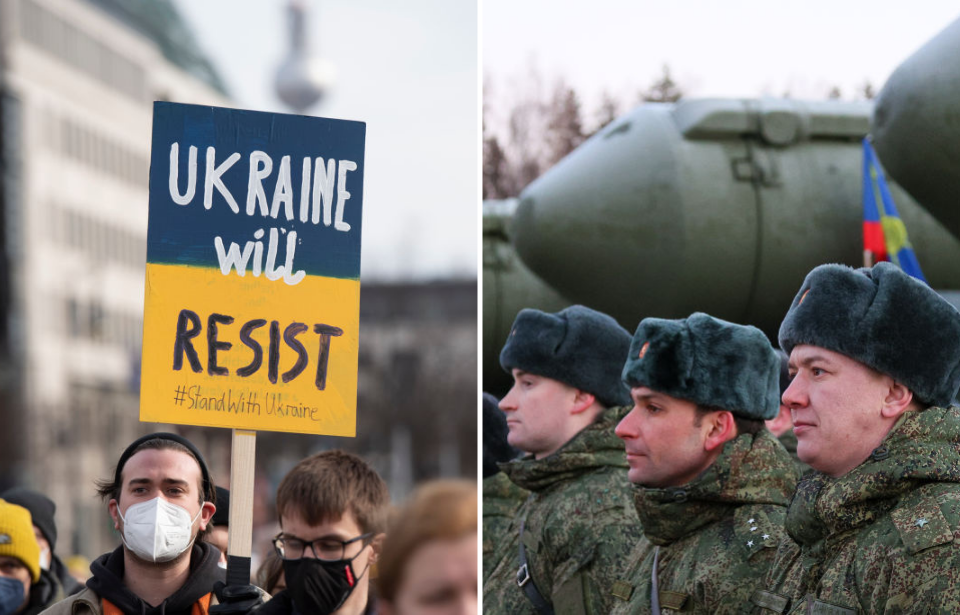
(775, 121)
(759, 166)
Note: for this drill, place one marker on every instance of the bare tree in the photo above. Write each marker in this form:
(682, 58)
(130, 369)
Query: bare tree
(527, 147)
(564, 125)
(608, 111)
(496, 170)
(539, 129)
(497, 173)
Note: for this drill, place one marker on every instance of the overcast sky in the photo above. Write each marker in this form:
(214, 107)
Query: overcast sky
(733, 48)
(409, 70)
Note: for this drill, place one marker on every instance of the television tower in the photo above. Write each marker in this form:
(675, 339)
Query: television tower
(302, 79)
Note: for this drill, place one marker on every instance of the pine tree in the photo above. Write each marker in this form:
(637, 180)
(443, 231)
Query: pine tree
(664, 89)
(609, 110)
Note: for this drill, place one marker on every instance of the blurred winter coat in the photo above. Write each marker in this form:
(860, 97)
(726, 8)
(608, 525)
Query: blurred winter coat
(881, 538)
(713, 539)
(580, 524)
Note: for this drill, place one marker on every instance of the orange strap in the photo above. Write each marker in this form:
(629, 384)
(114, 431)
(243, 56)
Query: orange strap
(200, 607)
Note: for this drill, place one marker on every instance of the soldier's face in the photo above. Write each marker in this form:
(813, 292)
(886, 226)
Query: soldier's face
(537, 410)
(664, 440)
(835, 405)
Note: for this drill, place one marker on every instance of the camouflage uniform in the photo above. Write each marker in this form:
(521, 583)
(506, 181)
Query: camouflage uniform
(714, 538)
(501, 500)
(881, 538)
(580, 525)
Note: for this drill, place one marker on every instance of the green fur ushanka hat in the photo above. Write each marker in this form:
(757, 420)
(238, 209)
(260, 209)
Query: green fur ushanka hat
(708, 361)
(883, 318)
(577, 346)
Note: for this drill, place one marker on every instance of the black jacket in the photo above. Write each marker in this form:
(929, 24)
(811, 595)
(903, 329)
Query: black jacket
(282, 604)
(70, 585)
(107, 582)
(43, 593)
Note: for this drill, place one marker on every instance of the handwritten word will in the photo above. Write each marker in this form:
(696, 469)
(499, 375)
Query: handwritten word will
(323, 198)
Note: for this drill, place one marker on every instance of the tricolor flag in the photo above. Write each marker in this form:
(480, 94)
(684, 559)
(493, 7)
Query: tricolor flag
(884, 234)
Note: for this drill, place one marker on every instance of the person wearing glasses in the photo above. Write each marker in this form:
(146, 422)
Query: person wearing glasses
(333, 512)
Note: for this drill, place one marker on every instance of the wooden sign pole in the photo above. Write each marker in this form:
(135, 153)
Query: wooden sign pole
(240, 541)
(195, 299)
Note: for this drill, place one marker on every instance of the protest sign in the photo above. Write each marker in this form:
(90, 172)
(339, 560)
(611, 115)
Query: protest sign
(251, 312)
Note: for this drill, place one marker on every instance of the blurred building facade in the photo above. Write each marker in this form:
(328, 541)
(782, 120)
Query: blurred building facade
(77, 81)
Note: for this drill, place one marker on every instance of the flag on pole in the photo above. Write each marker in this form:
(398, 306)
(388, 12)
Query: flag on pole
(884, 234)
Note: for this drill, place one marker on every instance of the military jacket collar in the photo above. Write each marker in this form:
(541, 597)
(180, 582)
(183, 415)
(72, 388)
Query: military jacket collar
(752, 469)
(923, 447)
(594, 447)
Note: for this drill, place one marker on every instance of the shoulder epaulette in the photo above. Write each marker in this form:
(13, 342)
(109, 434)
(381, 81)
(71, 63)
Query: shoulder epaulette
(754, 528)
(921, 521)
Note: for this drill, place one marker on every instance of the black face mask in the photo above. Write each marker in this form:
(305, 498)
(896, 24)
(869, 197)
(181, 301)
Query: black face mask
(319, 587)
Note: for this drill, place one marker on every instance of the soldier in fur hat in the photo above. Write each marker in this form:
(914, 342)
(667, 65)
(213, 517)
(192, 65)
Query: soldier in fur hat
(711, 483)
(566, 542)
(875, 363)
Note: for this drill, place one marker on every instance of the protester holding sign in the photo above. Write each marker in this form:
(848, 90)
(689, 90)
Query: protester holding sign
(160, 499)
(253, 280)
(333, 509)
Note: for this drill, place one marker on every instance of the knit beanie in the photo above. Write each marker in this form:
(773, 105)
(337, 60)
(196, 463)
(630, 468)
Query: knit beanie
(221, 518)
(209, 493)
(41, 510)
(17, 538)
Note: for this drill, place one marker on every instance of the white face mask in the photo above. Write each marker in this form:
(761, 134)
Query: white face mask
(45, 559)
(157, 531)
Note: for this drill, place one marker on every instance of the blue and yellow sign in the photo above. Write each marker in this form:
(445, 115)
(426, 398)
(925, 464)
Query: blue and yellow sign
(251, 314)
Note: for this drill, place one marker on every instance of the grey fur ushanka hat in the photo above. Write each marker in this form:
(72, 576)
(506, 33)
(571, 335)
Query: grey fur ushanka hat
(883, 318)
(707, 361)
(577, 346)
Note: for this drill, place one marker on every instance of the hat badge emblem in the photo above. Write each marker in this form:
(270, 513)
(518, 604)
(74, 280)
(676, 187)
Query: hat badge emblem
(5, 539)
(643, 349)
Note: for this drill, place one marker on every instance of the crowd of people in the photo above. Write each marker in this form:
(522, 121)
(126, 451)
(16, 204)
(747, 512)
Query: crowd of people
(343, 548)
(692, 467)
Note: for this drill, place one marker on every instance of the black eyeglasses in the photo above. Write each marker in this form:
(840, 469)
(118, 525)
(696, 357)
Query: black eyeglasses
(327, 549)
